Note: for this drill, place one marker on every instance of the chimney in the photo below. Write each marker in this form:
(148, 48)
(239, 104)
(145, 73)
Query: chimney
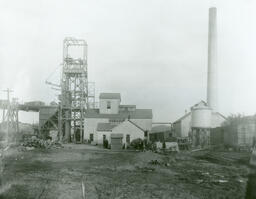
(212, 90)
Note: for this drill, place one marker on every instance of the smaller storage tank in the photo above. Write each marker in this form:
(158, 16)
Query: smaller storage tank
(201, 116)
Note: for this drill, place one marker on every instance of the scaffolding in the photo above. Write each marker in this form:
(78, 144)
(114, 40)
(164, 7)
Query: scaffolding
(77, 95)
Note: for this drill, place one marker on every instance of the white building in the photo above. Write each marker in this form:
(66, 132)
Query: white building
(114, 118)
(128, 129)
(182, 126)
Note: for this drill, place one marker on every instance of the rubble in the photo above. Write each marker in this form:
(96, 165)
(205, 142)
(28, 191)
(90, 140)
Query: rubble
(145, 169)
(156, 162)
(34, 142)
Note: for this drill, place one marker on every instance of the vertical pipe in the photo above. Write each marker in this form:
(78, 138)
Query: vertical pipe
(212, 90)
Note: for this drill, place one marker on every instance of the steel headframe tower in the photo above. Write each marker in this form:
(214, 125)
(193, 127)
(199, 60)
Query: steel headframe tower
(75, 96)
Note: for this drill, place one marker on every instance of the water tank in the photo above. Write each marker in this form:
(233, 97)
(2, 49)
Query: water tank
(201, 116)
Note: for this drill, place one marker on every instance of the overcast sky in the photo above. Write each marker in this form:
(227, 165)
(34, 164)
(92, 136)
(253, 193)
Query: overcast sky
(153, 52)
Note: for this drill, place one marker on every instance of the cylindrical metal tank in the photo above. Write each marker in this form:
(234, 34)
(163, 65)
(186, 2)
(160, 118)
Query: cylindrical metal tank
(201, 116)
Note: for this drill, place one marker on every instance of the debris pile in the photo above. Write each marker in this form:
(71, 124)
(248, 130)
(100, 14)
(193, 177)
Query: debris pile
(157, 162)
(206, 179)
(34, 142)
(145, 169)
(166, 147)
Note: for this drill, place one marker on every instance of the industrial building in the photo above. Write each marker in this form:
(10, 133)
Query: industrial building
(114, 118)
(241, 133)
(183, 125)
(161, 133)
(204, 116)
(76, 119)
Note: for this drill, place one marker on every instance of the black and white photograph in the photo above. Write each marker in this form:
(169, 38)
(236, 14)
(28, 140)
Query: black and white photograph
(127, 99)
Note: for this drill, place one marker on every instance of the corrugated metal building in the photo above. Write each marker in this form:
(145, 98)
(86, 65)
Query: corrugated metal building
(182, 126)
(241, 133)
(160, 133)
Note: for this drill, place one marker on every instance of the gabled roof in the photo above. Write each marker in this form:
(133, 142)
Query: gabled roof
(127, 106)
(110, 127)
(184, 116)
(110, 96)
(161, 128)
(136, 125)
(201, 105)
(105, 126)
(137, 114)
(217, 113)
(202, 102)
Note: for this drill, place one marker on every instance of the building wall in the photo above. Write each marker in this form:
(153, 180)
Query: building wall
(145, 124)
(114, 106)
(160, 136)
(246, 133)
(90, 126)
(241, 134)
(217, 136)
(100, 136)
(230, 136)
(182, 128)
(217, 120)
(177, 129)
(127, 128)
(185, 126)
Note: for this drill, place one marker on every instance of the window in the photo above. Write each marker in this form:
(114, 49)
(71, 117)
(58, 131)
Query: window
(145, 133)
(104, 137)
(108, 105)
(116, 121)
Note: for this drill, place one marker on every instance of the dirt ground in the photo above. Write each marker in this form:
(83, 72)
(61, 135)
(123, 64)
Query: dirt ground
(82, 171)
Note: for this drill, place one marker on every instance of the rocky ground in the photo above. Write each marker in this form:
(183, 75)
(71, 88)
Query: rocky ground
(83, 171)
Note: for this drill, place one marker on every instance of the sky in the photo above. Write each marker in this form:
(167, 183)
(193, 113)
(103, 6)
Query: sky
(153, 52)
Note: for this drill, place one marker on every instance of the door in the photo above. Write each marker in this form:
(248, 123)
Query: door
(91, 137)
(128, 139)
(116, 143)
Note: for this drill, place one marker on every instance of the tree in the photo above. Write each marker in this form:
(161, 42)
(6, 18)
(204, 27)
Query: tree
(137, 144)
(234, 120)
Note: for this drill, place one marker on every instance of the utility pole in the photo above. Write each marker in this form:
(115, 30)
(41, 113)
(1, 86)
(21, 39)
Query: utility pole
(8, 91)
(10, 115)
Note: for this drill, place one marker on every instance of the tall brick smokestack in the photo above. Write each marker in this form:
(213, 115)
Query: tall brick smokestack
(212, 90)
